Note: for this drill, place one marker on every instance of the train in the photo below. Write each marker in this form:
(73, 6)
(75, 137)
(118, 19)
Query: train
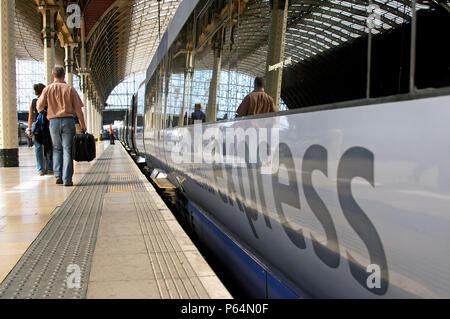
(344, 195)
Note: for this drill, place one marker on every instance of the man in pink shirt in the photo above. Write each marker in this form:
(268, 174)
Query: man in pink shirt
(257, 102)
(63, 103)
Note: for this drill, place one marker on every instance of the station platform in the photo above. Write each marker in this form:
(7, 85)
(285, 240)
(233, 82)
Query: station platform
(109, 236)
(27, 202)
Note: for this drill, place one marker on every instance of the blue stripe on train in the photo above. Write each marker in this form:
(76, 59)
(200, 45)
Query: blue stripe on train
(251, 275)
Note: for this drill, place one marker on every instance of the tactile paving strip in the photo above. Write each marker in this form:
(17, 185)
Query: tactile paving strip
(65, 245)
(120, 183)
(175, 276)
(171, 265)
(70, 237)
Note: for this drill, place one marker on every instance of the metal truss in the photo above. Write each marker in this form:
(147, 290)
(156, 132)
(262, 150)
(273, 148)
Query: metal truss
(125, 40)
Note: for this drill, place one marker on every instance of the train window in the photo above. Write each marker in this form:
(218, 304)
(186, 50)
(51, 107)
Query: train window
(230, 52)
(149, 106)
(139, 116)
(165, 78)
(147, 112)
(325, 53)
(215, 65)
(158, 97)
(235, 82)
(345, 50)
(310, 52)
(407, 51)
(432, 45)
(388, 45)
(175, 98)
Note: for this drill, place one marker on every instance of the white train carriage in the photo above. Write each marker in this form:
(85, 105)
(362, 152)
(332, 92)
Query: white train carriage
(344, 195)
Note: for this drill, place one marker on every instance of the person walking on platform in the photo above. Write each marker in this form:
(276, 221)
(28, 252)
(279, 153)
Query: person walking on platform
(63, 103)
(198, 114)
(257, 102)
(44, 161)
(111, 135)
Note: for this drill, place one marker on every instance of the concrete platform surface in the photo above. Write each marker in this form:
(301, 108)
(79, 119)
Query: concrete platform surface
(27, 202)
(111, 236)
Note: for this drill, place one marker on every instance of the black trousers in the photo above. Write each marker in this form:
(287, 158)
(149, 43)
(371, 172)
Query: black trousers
(111, 139)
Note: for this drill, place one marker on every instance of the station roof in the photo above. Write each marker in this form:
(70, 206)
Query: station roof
(29, 44)
(315, 27)
(124, 38)
(123, 35)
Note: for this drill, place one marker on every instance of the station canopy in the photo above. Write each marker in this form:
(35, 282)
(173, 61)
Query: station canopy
(123, 35)
(315, 27)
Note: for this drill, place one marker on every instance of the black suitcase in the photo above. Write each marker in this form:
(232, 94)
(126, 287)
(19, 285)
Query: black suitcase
(83, 147)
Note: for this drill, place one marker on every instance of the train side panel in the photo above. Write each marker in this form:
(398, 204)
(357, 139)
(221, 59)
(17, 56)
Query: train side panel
(357, 207)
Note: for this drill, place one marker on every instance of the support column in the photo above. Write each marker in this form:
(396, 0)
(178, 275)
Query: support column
(188, 97)
(92, 113)
(68, 62)
(186, 87)
(94, 119)
(59, 56)
(85, 106)
(159, 100)
(166, 95)
(97, 118)
(100, 119)
(211, 110)
(83, 73)
(88, 115)
(48, 31)
(9, 152)
(181, 118)
(275, 55)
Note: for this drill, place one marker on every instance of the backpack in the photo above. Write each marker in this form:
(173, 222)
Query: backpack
(41, 131)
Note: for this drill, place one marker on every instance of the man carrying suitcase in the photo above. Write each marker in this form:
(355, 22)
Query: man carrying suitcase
(63, 103)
